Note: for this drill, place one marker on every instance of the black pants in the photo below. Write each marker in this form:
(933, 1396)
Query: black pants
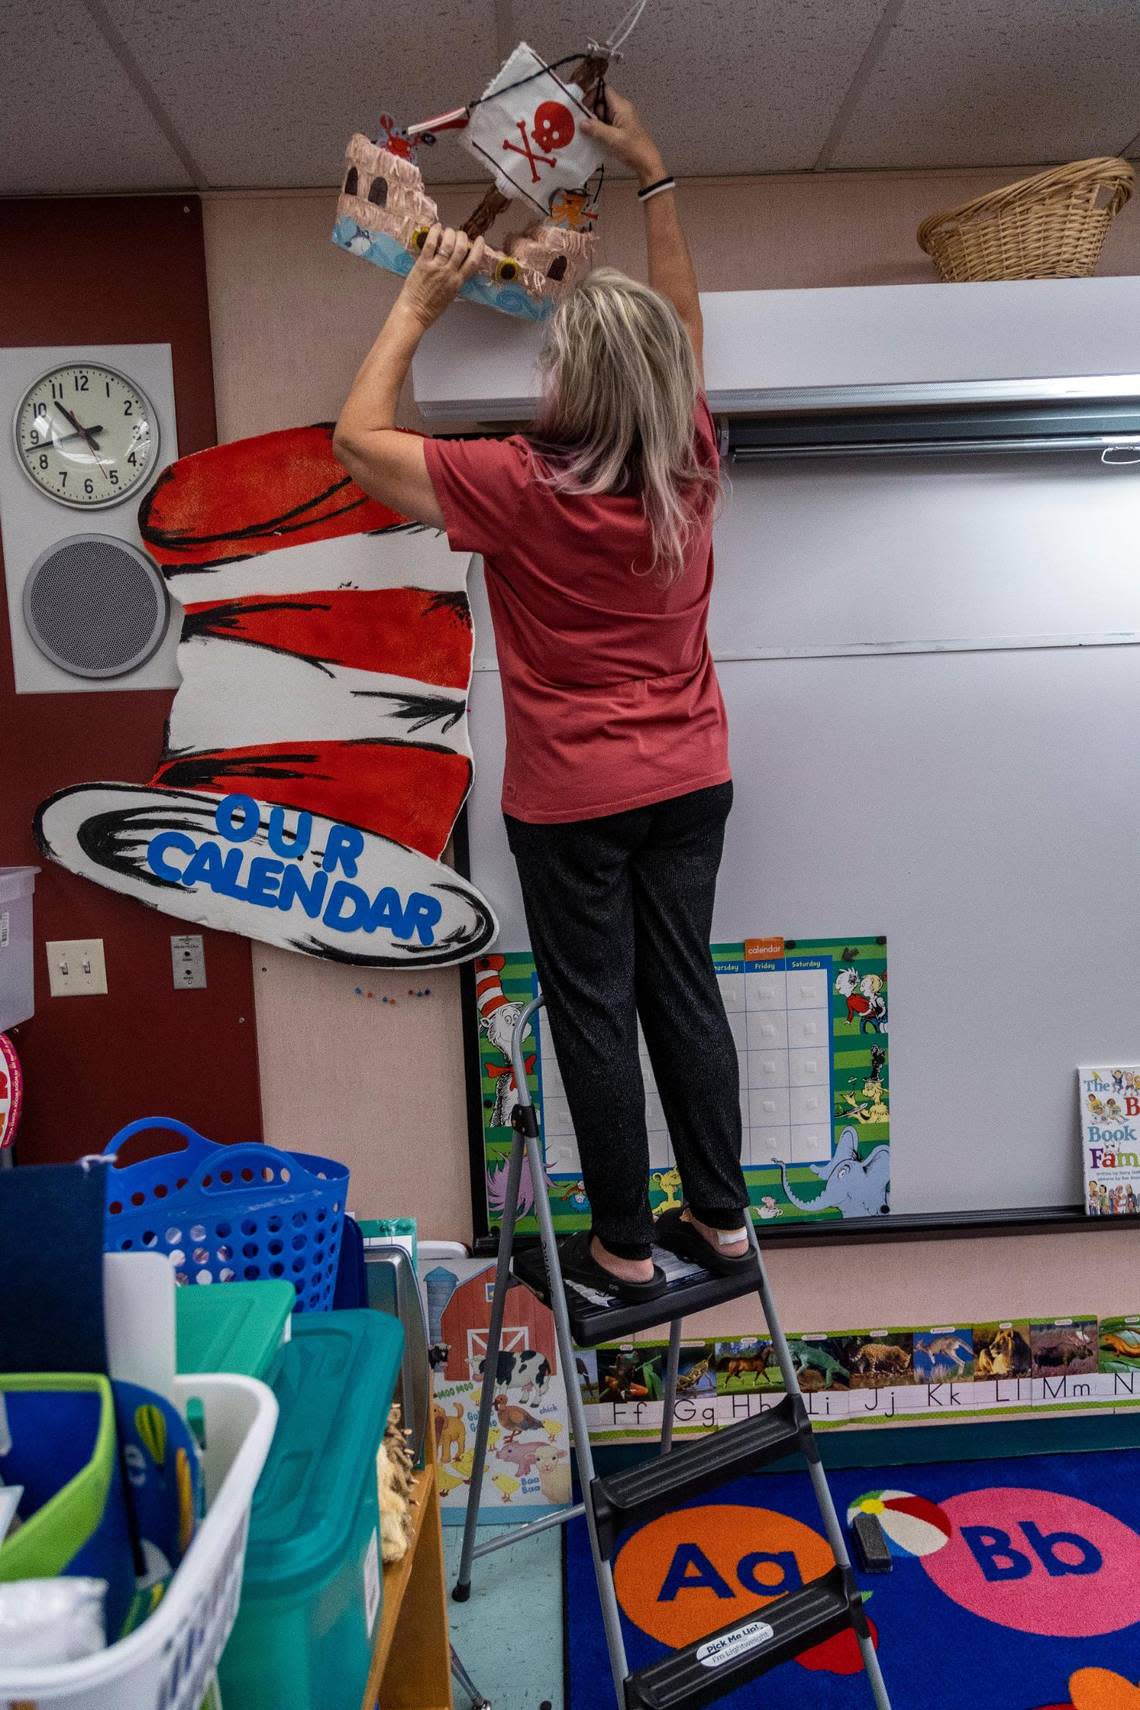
(620, 913)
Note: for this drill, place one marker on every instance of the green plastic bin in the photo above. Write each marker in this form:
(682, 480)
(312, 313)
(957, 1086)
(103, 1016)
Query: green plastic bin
(237, 1327)
(311, 1595)
(71, 1514)
(60, 1446)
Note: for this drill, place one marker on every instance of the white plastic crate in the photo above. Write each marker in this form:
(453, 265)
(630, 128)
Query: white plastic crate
(17, 988)
(169, 1662)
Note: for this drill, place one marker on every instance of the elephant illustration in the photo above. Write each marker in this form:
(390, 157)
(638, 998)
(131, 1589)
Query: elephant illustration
(854, 1186)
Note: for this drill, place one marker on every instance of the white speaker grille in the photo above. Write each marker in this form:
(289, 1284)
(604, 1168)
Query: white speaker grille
(95, 606)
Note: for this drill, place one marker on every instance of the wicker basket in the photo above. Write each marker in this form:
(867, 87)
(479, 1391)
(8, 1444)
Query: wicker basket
(1050, 226)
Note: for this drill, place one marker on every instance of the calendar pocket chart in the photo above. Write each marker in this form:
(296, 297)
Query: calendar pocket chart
(810, 1021)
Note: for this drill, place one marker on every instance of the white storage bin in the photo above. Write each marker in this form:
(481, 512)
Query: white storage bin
(168, 1662)
(17, 986)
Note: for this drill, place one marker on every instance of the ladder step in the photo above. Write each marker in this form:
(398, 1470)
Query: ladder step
(657, 1486)
(599, 1317)
(713, 1667)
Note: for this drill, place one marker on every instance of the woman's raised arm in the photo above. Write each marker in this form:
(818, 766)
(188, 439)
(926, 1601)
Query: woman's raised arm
(670, 264)
(388, 464)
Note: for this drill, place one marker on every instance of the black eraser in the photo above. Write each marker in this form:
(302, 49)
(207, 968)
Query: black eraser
(871, 1545)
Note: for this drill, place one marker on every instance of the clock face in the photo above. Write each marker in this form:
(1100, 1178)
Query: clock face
(86, 435)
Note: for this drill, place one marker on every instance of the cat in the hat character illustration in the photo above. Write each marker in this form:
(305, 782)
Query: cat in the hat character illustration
(498, 1017)
(316, 754)
(866, 1002)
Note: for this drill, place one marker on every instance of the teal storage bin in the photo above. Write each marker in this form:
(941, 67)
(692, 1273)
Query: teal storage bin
(311, 1594)
(238, 1327)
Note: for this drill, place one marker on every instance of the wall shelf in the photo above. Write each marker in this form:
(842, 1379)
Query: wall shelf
(911, 1226)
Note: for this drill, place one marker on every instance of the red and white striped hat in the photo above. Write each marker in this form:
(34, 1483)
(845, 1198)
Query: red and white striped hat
(489, 994)
(316, 753)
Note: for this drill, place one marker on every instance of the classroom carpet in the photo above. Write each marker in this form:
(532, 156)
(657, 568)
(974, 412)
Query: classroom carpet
(1015, 1584)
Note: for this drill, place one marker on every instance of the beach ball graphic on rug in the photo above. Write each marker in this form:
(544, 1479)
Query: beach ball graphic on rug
(912, 1525)
(316, 754)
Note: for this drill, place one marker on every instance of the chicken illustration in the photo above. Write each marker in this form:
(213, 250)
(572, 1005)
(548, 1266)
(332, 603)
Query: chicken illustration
(506, 1485)
(553, 1429)
(515, 1419)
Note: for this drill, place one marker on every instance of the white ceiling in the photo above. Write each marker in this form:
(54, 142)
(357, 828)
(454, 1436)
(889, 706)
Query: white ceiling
(173, 94)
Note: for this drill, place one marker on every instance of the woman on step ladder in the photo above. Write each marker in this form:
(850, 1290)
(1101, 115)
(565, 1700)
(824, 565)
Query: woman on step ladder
(595, 528)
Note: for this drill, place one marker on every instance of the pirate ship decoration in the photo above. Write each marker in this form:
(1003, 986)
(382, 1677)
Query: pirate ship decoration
(526, 131)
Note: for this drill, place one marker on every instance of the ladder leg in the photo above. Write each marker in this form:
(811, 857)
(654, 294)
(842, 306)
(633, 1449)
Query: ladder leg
(603, 1570)
(672, 1364)
(826, 1502)
(462, 1589)
(478, 1702)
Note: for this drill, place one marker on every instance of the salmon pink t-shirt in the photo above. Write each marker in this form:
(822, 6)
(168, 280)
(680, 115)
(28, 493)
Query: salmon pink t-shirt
(609, 689)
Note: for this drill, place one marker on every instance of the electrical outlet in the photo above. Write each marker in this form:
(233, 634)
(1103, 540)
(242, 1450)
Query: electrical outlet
(76, 967)
(188, 955)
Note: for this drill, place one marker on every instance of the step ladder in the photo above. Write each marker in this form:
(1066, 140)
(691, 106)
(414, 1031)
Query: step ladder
(712, 1667)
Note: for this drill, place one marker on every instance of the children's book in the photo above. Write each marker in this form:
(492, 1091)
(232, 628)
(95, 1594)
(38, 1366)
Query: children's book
(1110, 1139)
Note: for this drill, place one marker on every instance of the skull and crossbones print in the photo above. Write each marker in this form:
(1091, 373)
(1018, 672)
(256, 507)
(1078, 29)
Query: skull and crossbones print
(552, 128)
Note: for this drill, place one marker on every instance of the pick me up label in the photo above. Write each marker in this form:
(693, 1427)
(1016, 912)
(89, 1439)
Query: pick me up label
(727, 1647)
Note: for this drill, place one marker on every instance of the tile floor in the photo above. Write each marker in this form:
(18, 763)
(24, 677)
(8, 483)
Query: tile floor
(509, 1632)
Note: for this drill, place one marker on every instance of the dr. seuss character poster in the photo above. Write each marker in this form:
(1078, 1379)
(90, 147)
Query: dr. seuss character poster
(810, 1019)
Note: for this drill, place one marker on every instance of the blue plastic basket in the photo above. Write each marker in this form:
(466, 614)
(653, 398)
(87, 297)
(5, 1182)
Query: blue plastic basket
(230, 1213)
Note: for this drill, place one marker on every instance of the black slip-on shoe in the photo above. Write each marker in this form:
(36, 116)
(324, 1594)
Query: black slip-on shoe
(677, 1235)
(579, 1265)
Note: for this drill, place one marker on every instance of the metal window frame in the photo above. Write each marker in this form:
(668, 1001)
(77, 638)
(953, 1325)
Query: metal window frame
(914, 421)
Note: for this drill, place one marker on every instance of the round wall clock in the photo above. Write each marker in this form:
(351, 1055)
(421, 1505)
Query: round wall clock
(86, 435)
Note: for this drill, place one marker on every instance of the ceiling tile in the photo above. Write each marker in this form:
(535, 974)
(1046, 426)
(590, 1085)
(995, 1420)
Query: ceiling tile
(70, 119)
(963, 82)
(267, 92)
(726, 87)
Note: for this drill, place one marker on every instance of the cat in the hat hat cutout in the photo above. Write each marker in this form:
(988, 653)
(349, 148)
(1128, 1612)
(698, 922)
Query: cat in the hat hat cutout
(316, 753)
(498, 1017)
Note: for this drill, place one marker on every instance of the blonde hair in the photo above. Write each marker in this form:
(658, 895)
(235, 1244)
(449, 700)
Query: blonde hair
(619, 389)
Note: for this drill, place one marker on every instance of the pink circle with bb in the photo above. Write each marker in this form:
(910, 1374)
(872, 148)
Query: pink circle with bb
(1064, 1605)
(11, 1091)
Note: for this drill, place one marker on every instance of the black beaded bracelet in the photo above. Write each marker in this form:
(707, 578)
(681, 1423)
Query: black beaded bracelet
(655, 189)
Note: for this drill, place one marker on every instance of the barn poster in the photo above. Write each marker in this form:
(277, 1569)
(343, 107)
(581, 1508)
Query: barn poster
(527, 1472)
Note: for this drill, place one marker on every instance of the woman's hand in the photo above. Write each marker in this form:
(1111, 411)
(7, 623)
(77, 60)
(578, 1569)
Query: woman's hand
(627, 136)
(390, 465)
(444, 265)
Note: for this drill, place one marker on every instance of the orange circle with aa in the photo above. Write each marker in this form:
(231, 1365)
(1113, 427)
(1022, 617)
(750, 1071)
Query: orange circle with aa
(688, 1573)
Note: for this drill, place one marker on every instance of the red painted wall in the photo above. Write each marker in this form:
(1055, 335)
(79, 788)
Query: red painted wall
(117, 271)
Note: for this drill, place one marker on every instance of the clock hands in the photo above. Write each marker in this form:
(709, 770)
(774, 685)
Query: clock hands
(85, 434)
(81, 433)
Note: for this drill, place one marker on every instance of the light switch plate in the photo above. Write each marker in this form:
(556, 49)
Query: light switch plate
(188, 955)
(76, 967)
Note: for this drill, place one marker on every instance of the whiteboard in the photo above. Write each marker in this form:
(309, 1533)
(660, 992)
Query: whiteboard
(934, 707)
